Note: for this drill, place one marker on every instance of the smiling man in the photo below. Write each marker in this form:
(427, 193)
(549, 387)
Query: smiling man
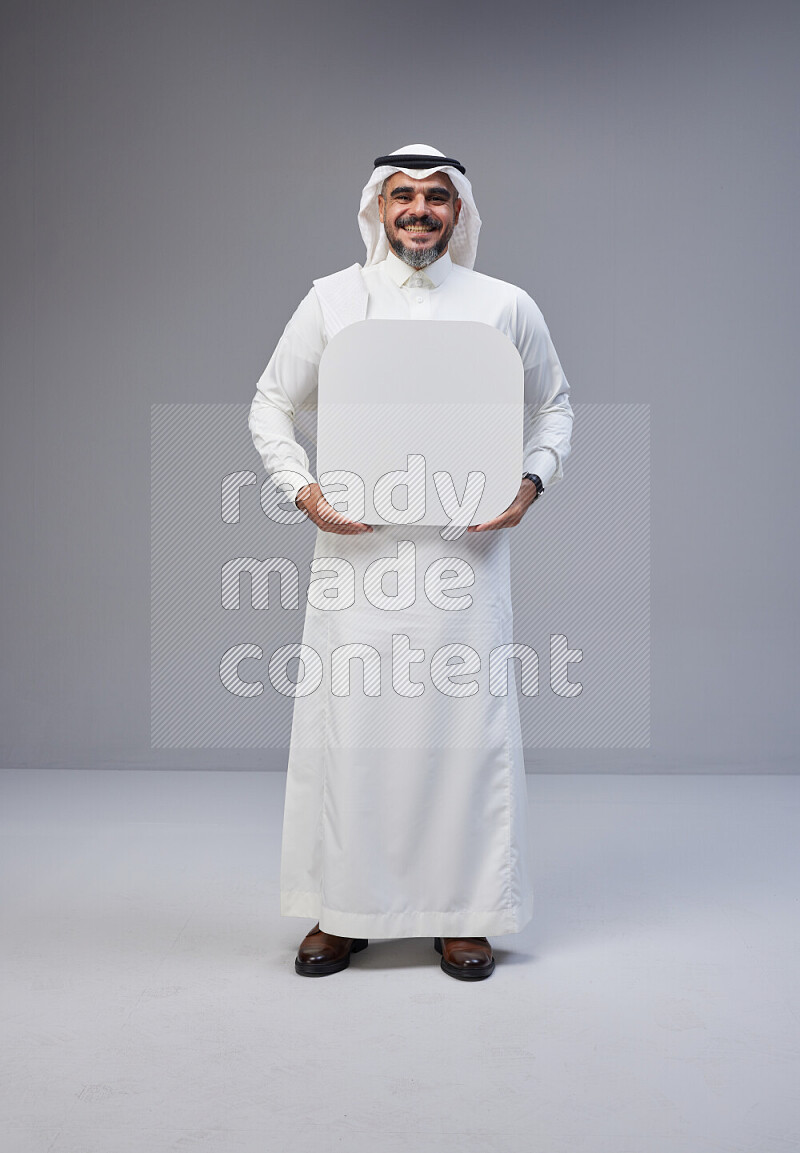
(419, 216)
(406, 811)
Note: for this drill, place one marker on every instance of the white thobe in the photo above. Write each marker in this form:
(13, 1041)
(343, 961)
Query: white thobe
(406, 800)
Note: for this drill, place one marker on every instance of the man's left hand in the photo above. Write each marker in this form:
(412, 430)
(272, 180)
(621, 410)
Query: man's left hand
(515, 511)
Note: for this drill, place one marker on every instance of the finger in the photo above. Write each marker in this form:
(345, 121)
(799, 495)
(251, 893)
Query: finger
(499, 522)
(332, 516)
(344, 528)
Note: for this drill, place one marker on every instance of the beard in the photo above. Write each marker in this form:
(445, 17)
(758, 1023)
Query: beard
(419, 257)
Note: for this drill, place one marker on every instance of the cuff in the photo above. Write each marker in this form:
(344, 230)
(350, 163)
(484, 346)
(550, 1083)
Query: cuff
(289, 481)
(543, 463)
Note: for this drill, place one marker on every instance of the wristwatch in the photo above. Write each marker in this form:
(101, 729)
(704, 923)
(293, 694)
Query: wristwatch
(536, 480)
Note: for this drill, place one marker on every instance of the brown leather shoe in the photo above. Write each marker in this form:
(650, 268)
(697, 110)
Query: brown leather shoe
(323, 953)
(467, 958)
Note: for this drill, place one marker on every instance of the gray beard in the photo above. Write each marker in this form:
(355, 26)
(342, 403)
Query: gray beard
(419, 257)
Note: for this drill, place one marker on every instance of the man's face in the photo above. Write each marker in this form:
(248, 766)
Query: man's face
(419, 216)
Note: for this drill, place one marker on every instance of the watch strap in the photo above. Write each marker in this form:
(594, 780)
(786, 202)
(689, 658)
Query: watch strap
(536, 480)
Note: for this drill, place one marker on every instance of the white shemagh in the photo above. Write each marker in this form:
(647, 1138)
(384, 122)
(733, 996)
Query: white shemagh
(464, 241)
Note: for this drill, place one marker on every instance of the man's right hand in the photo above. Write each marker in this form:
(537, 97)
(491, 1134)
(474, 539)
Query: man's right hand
(314, 504)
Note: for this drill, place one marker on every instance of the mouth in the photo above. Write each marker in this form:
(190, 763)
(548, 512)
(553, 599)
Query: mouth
(418, 231)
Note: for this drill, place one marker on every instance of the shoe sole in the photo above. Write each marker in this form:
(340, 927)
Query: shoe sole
(325, 968)
(456, 970)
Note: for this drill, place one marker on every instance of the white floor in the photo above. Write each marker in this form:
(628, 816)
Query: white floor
(150, 1003)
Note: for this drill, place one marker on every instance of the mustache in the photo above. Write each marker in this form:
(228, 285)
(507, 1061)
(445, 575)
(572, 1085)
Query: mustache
(427, 221)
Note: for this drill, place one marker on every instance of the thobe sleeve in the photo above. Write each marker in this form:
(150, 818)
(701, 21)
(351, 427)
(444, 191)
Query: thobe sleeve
(548, 414)
(289, 380)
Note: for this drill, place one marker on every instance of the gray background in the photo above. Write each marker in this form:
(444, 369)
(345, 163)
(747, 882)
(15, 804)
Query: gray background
(176, 173)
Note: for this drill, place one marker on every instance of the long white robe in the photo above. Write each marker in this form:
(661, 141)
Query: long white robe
(406, 815)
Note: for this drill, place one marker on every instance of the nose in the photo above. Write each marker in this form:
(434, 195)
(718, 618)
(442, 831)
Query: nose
(419, 205)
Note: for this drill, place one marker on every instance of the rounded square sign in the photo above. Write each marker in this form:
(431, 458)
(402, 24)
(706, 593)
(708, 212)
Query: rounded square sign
(420, 422)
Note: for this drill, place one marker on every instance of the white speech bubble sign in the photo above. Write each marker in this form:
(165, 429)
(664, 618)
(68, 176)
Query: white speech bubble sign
(428, 414)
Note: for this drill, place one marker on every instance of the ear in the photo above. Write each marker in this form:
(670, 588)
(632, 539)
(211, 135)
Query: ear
(381, 207)
(457, 207)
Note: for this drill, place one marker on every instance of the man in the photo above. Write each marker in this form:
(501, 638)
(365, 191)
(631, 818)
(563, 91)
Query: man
(406, 805)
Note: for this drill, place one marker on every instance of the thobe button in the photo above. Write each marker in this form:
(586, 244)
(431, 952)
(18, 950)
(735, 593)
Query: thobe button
(419, 300)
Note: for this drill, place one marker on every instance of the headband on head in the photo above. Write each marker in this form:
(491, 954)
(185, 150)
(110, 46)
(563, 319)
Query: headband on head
(419, 160)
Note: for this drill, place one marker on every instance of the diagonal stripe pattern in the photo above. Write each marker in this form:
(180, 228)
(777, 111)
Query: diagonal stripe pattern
(580, 571)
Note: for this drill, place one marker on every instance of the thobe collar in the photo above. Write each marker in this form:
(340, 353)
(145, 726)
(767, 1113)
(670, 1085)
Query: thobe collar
(431, 277)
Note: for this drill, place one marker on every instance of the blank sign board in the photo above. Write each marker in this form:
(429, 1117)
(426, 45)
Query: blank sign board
(420, 422)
